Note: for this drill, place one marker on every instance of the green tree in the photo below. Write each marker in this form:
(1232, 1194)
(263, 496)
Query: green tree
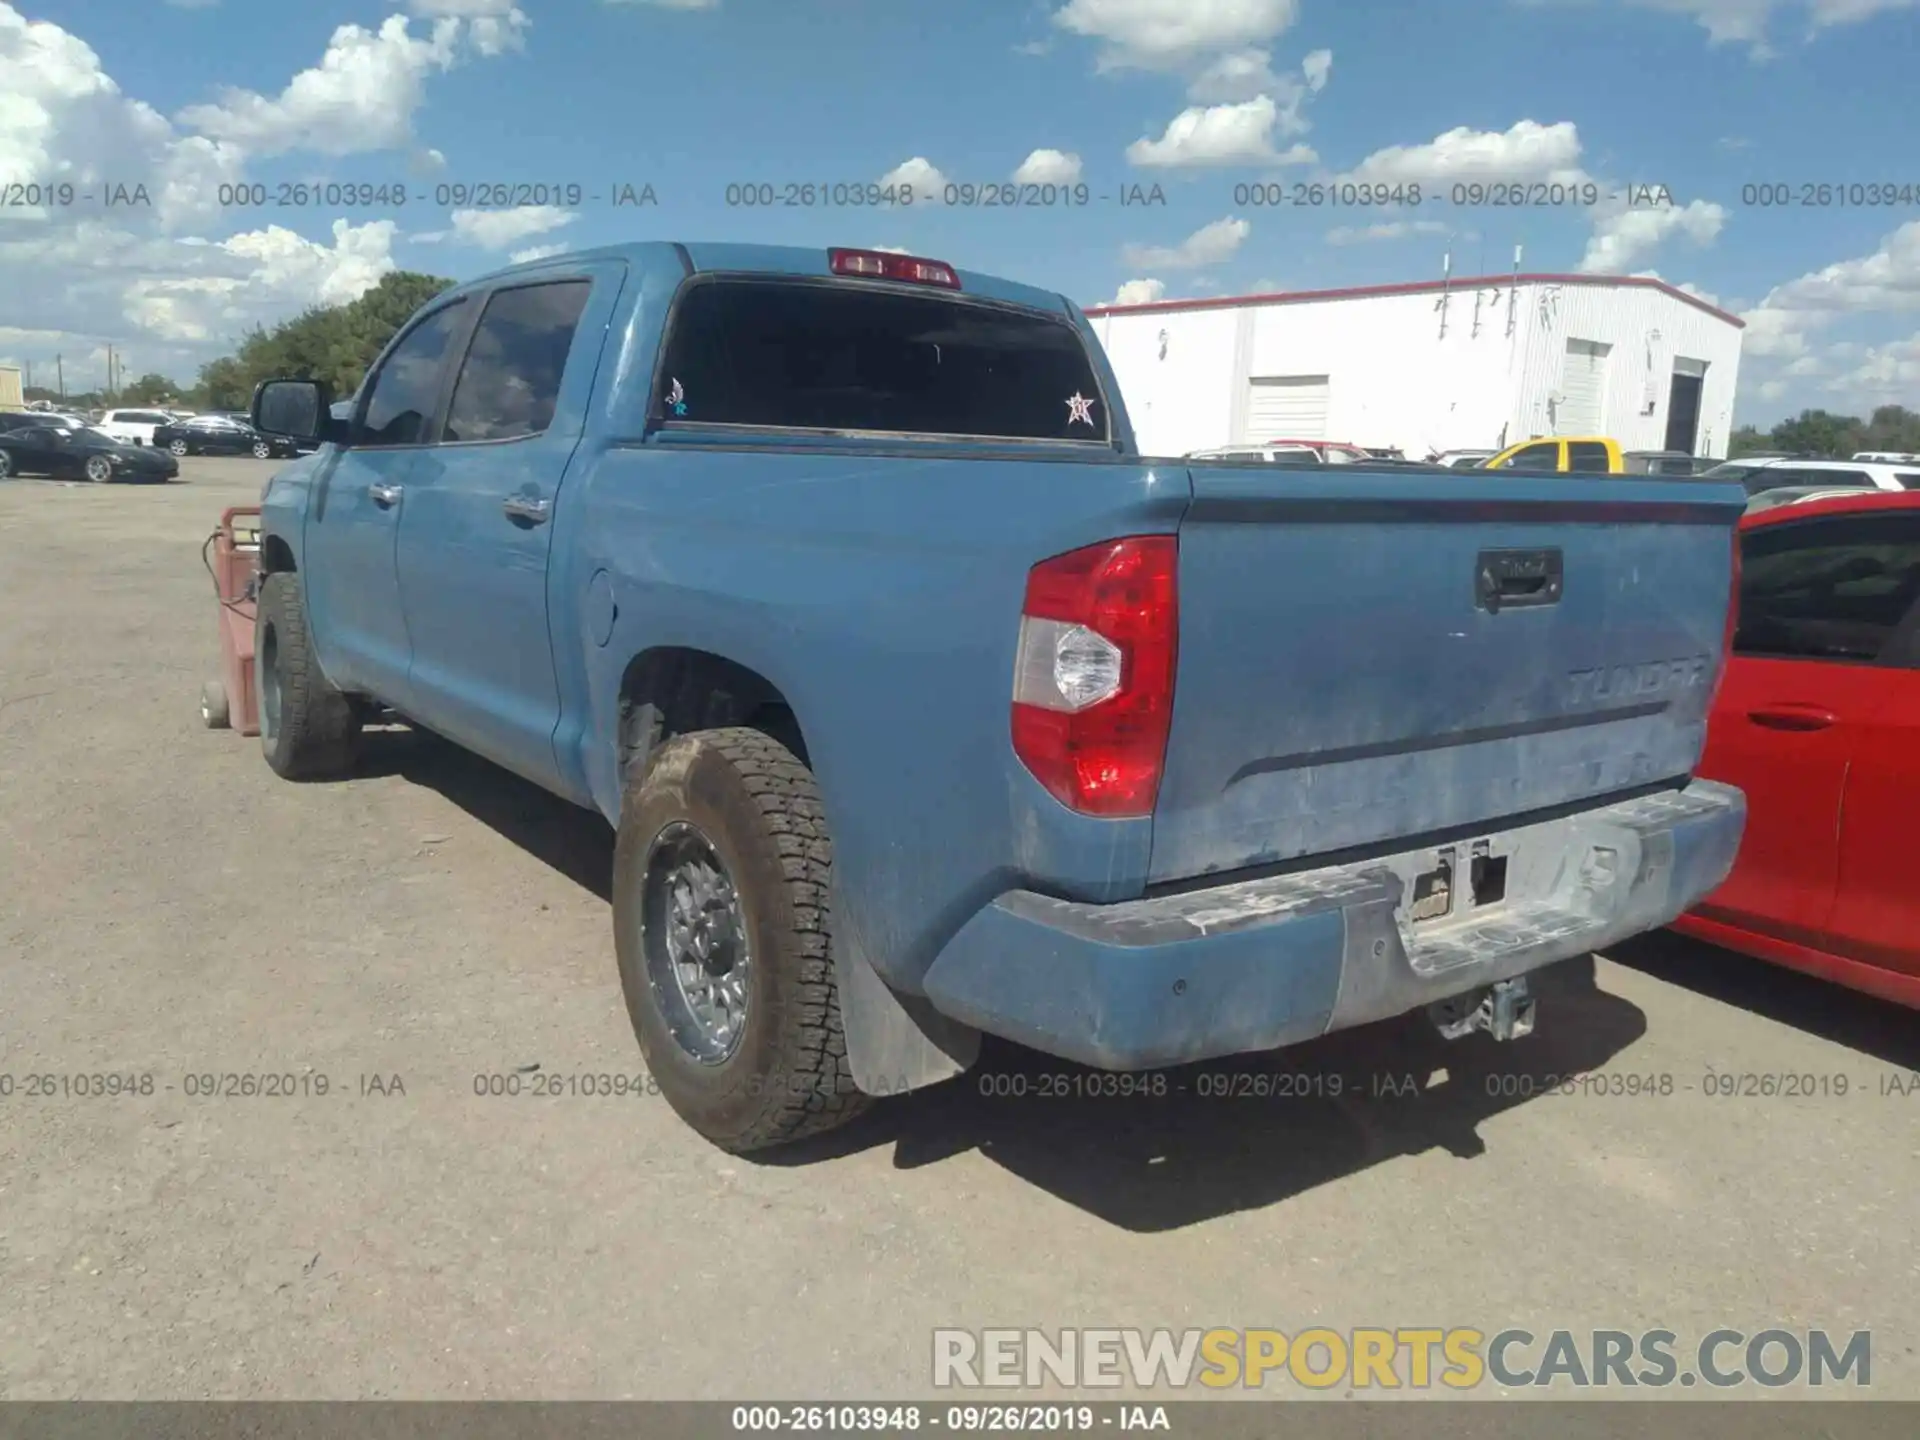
(1820, 435)
(331, 343)
(149, 389)
(1748, 440)
(1893, 427)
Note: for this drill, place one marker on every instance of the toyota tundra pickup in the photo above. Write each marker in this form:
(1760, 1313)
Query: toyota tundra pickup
(923, 705)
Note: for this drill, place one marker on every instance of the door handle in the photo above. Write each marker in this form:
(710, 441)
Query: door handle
(531, 509)
(1792, 717)
(385, 496)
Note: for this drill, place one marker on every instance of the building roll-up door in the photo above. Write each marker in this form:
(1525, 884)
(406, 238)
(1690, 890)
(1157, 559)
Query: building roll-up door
(1583, 389)
(1287, 407)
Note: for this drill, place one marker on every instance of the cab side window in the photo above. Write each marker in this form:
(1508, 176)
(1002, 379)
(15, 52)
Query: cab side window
(510, 380)
(407, 390)
(1543, 456)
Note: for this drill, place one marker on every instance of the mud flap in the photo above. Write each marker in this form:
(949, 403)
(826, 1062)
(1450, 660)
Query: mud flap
(895, 1042)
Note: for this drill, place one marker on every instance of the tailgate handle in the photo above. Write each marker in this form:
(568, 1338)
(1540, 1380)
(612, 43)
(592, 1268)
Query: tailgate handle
(1515, 579)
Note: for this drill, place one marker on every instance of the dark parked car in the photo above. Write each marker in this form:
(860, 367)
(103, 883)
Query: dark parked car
(220, 435)
(82, 454)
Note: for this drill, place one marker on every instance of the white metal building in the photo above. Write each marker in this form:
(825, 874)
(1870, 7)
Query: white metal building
(11, 395)
(1443, 365)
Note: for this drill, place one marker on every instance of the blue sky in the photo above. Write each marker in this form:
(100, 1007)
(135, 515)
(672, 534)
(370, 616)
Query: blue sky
(1198, 97)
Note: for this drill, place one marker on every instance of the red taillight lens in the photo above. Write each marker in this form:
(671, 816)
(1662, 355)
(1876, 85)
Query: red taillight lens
(885, 265)
(1093, 683)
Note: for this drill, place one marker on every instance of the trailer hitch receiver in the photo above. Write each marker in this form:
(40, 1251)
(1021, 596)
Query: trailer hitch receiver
(1505, 1011)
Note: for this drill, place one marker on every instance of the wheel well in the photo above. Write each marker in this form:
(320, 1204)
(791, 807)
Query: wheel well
(276, 555)
(672, 690)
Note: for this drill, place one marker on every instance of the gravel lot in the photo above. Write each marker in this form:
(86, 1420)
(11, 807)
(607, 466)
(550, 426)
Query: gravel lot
(168, 908)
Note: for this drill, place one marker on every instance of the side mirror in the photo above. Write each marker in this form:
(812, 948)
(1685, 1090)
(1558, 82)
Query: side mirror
(297, 409)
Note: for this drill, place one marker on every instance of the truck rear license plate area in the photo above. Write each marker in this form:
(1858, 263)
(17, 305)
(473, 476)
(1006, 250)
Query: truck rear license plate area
(1458, 882)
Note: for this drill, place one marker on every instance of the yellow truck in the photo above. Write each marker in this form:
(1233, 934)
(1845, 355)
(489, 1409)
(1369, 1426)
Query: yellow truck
(1587, 454)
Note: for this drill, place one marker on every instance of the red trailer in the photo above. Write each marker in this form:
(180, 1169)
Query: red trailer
(232, 556)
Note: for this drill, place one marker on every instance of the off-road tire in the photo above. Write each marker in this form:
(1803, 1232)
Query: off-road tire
(760, 809)
(316, 733)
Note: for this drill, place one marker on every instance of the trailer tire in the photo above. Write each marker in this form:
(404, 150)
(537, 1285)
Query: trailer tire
(308, 729)
(214, 712)
(737, 805)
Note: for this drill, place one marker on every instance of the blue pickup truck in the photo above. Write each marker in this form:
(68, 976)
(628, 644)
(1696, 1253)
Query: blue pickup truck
(923, 705)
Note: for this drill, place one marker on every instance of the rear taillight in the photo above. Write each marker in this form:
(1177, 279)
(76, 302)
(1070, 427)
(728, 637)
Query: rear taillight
(885, 265)
(1093, 681)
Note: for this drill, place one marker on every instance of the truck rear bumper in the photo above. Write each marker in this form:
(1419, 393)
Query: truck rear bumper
(1259, 964)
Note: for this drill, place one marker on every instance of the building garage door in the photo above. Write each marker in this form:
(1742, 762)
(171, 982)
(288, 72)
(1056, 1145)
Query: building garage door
(1287, 407)
(1583, 390)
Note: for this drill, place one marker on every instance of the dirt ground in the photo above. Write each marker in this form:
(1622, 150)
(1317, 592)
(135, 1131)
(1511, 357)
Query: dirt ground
(169, 910)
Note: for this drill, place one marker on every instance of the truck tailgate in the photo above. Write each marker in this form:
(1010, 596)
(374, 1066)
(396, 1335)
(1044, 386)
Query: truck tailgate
(1368, 656)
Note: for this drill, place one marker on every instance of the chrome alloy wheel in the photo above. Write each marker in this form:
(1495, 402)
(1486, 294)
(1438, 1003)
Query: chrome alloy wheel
(693, 935)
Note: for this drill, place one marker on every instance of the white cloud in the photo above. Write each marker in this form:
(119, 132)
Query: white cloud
(537, 252)
(1209, 245)
(1265, 286)
(494, 26)
(497, 229)
(1219, 135)
(159, 282)
(1139, 292)
(1886, 375)
(1621, 235)
(1788, 315)
(1247, 74)
(1048, 167)
(1527, 151)
(921, 176)
(1748, 22)
(1385, 230)
(363, 94)
(168, 302)
(1173, 34)
(671, 4)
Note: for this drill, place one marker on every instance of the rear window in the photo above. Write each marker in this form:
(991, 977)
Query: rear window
(1909, 479)
(844, 356)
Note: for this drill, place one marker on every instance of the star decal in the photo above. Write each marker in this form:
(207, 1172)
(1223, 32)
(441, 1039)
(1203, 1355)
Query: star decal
(1079, 409)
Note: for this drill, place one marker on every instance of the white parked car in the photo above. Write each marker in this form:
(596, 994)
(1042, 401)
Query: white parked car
(1778, 473)
(1888, 457)
(133, 427)
(1454, 459)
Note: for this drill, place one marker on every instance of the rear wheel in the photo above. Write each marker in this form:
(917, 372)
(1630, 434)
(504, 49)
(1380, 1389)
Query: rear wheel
(722, 874)
(308, 729)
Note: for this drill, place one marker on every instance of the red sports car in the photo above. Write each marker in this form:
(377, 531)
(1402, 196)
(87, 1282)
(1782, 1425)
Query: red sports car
(1818, 720)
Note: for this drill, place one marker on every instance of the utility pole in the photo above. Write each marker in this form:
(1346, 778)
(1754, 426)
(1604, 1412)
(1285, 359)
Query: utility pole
(60, 374)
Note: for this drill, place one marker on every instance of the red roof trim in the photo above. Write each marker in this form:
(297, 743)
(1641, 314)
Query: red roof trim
(1418, 287)
(1864, 502)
